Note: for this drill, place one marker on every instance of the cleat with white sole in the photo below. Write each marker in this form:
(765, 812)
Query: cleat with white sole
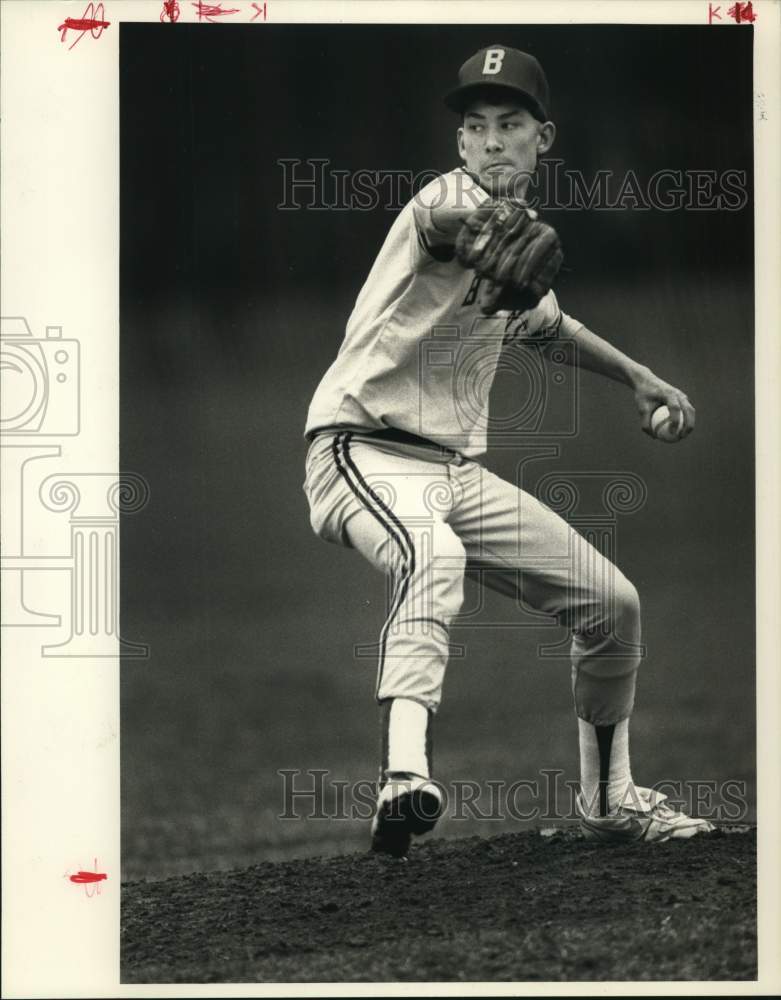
(407, 805)
(644, 816)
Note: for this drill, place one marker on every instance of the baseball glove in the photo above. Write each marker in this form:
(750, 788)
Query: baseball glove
(519, 256)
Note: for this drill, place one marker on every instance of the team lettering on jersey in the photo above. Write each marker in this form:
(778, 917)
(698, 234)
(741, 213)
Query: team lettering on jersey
(516, 324)
(474, 288)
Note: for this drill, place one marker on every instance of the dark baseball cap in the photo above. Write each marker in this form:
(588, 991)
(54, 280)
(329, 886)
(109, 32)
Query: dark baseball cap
(501, 68)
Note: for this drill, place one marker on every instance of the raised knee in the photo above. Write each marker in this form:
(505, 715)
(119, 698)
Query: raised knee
(626, 600)
(612, 608)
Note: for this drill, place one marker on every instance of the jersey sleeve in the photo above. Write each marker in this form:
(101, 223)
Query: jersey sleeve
(569, 325)
(452, 196)
(544, 321)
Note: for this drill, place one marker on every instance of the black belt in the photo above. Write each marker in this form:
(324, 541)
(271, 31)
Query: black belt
(407, 437)
(393, 434)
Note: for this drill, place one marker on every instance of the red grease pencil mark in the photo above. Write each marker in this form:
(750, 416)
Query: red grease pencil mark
(83, 877)
(91, 20)
(170, 11)
(260, 10)
(742, 12)
(89, 878)
(210, 10)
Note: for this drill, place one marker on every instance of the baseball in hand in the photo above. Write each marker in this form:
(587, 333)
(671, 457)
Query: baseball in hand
(663, 426)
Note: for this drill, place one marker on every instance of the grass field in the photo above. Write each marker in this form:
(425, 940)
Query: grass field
(251, 623)
(216, 715)
(251, 620)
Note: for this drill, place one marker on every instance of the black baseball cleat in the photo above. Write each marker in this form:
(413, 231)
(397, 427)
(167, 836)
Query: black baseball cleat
(407, 805)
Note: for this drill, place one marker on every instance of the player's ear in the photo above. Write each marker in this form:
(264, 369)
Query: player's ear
(546, 133)
(461, 147)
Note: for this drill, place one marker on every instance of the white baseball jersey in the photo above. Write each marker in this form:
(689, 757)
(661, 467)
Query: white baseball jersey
(419, 357)
(418, 354)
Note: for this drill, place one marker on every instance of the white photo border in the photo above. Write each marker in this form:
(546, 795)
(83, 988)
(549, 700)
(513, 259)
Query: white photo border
(60, 271)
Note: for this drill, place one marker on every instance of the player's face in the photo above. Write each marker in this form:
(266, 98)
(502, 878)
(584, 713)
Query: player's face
(501, 142)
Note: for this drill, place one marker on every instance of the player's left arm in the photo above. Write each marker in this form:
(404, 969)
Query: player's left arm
(596, 355)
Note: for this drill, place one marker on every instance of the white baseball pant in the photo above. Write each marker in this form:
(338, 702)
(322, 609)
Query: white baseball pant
(425, 517)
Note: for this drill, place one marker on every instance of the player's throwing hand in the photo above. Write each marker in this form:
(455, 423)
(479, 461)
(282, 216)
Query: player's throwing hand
(652, 392)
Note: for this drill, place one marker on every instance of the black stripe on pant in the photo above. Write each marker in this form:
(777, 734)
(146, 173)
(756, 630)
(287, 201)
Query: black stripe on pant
(379, 510)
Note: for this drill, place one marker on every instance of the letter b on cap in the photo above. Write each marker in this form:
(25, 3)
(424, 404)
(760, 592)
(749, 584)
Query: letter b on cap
(493, 61)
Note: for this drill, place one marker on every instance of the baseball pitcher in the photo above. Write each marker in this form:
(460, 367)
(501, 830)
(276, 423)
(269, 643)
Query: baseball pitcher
(394, 466)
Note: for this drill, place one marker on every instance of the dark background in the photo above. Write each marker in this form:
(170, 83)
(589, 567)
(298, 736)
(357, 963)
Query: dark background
(230, 313)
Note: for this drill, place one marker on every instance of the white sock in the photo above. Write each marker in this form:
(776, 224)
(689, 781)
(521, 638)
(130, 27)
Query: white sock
(408, 723)
(619, 770)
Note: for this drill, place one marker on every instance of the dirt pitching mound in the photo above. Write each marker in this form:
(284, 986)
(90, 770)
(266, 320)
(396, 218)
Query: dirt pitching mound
(517, 907)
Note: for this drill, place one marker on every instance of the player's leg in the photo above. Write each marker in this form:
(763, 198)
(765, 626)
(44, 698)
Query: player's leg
(389, 507)
(518, 546)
